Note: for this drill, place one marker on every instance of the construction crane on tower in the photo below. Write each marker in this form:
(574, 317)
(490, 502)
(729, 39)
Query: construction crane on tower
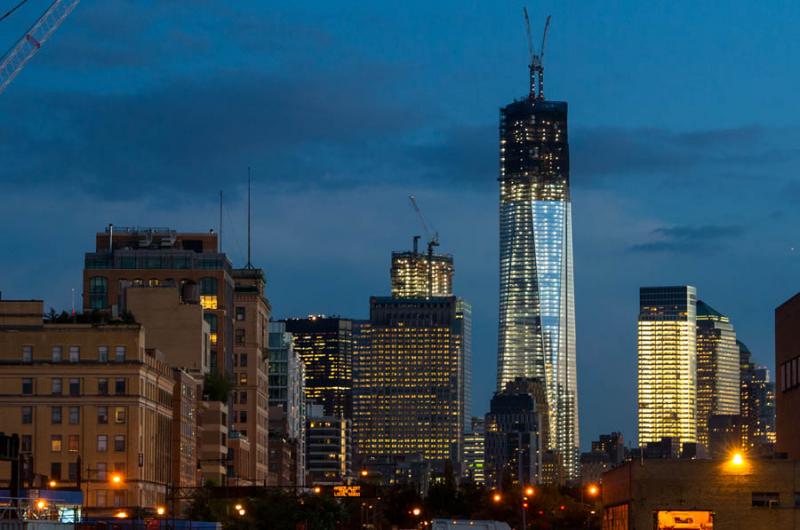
(23, 51)
(433, 241)
(537, 60)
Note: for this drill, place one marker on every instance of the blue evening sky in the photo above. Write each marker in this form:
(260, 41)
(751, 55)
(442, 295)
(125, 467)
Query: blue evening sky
(683, 122)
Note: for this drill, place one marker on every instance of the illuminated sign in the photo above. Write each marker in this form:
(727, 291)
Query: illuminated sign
(685, 520)
(347, 491)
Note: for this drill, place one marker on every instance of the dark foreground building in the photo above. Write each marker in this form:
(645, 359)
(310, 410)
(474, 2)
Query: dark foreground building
(787, 364)
(702, 495)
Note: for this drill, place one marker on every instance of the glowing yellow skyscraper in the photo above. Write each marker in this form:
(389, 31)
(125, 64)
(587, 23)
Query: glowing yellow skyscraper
(667, 363)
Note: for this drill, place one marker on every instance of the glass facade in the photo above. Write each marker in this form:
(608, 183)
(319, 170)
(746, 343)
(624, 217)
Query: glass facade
(537, 312)
(325, 345)
(718, 378)
(667, 384)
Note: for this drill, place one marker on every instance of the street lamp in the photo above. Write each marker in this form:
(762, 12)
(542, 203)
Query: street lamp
(41, 504)
(52, 484)
(160, 510)
(416, 511)
(364, 472)
(593, 490)
(497, 498)
(737, 459)
(122, 514)
(117, 479)
(317, 490)
(529, 491)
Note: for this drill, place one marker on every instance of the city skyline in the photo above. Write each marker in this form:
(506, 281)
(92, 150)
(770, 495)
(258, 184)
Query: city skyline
(622, 175)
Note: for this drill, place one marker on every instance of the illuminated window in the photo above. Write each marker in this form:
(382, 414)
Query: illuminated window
(55, 443)
(208, 293)
(119, 415)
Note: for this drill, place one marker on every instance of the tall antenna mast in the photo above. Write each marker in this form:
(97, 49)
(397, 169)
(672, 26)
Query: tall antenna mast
(219, 236)
(249, 239)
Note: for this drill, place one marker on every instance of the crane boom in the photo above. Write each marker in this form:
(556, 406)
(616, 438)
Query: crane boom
(23, 51)
(432, 235)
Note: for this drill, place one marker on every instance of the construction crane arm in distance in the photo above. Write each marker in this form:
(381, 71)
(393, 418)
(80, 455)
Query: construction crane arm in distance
(432, 234)
(23, 51)
(544, 39)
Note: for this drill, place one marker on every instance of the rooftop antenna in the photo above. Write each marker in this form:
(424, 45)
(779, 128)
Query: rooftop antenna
(536, 64)
(249, 264)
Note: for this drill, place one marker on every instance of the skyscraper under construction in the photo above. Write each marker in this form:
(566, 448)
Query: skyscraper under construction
(537, 313)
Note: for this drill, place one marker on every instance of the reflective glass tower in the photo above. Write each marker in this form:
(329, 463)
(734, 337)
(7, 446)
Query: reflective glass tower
(667, 344)
(537, 311)
(718, 377)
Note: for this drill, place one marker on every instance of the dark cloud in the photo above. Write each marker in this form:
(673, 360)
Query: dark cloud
(602, 154)
(190, 135)
(689, 238)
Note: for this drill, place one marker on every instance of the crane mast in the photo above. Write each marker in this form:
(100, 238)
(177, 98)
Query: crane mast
(536, 60)
(433, 241)
(23, 51)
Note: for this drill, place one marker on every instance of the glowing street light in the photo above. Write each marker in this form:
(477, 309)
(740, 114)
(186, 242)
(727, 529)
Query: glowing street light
(160, 510)
(364, 472)
(416, 512)
(237, 507)
(122, 514)
(116, 478)
(529, 491)
(593, 490)
(317, 490)
(242, 512)
(497, 497)
(52, 483)
(41, 504)
(737, 459)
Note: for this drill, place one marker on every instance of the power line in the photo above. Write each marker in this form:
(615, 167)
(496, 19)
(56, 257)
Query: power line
(10, 11)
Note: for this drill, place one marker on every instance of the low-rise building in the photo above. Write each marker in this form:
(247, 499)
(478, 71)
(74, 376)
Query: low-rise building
(91, 404)
(329, 453)
(732, 494)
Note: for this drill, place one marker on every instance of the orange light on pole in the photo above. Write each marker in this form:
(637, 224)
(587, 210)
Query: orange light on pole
(122, 514)
(529, 491)
(52, 483)
(497, 497)
(41, 504)
(160, 510)
(416, 512)
(364, 472)
(737, 459)
(116, 478)
(593, 490)
(317, 490)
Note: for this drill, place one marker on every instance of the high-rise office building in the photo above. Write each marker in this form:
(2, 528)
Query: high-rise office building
(757, 402)
(537, 310)
(409, 367)
(419, 275)
(473, 460)
(192, 262)
(325, 345)
(287, 400)
(718, 381)
(516, 434)
(411, 377)
(667, 364)
(329, 451)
